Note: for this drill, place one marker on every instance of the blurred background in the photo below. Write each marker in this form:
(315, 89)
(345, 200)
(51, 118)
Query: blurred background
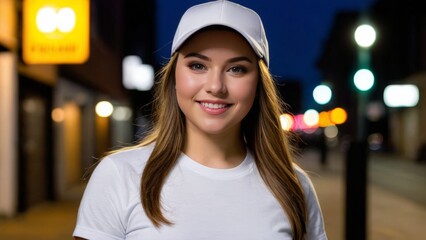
(76, 80)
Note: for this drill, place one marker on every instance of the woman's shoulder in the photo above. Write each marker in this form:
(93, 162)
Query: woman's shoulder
(129, 159)
(303, 178)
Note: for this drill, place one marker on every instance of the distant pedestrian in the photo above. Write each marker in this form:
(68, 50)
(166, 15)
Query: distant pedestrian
(216, 164)
(323, 149)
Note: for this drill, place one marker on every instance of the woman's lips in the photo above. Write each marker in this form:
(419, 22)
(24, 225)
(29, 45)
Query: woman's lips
(214, 108)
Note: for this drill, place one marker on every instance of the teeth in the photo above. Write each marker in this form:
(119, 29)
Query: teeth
(213, 105)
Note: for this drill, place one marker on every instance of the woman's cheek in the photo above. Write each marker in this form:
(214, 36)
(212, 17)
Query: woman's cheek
(186, 84)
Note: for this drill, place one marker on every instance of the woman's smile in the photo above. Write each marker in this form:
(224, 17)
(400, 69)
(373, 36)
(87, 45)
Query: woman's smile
(214, 108)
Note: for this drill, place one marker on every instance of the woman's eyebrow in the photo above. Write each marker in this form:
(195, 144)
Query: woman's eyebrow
(197, 55)
(238, 59)
(231, 60)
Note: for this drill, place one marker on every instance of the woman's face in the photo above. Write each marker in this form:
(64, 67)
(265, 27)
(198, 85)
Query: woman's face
(216, 79)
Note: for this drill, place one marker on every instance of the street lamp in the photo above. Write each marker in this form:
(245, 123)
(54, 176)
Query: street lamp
(364, 79)
(365, 35)
(356, 165)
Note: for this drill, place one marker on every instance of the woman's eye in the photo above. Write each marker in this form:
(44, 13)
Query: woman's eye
(237, 70)
(196, 66)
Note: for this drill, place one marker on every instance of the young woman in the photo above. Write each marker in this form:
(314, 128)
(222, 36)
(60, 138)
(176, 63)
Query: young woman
(216, 165)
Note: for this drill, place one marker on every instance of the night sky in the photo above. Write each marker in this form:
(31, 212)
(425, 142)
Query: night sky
(295, 30)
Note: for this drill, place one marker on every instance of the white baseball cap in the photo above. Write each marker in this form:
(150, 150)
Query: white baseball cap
(224, 13)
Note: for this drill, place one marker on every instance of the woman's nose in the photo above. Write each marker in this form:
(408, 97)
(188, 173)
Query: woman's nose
(215, 83)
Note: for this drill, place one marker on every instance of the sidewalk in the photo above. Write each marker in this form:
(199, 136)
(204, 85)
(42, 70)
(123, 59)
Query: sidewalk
(49, 221)
(391, 216)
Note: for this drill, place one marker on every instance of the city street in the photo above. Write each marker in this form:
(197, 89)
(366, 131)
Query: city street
(396, 202)
(396, 196)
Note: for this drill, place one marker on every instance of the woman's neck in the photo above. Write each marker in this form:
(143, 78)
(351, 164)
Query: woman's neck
(216, 151)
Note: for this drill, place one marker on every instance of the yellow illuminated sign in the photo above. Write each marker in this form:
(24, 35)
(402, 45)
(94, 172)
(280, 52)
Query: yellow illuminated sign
(55, 31)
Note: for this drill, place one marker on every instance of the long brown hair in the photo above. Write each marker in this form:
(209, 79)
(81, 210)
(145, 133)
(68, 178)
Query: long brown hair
(261, 130)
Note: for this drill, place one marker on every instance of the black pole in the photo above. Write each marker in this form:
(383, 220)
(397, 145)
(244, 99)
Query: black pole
(356, 191)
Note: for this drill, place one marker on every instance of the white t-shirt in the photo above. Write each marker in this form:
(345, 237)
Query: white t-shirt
(203, 203)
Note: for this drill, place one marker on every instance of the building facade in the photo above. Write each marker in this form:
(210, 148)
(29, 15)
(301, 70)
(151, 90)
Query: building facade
(51, 135)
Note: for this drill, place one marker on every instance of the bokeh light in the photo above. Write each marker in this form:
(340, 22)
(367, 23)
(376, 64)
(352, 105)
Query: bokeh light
(311, 117)
(406, 95)
(324, 119)
(322, 94)
(364, 79)
(331, 131)
(104, 109)
(58, 115)
(338, 115)
(287, 121)
(122, 113)
(365, 35)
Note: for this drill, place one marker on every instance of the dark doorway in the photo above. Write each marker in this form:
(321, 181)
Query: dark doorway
(35, 144)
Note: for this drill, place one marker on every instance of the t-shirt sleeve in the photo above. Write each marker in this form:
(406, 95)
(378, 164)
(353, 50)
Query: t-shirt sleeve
(315, 225)
(100, 215)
